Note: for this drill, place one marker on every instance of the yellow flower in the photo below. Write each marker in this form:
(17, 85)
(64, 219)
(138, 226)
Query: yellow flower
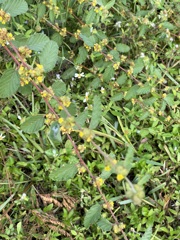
(65, 101)
(61, 120)
(66, 125)
(109, 57)
(107, 168)
(118, 228)
(123, 58)
(86, 134)
(81, 147)
(97, 47)
(63, 32)
(110, 205)
(98, 182)
(81, 169)
(116, 65)
(130, 71)
(120, 177)
(50, 118)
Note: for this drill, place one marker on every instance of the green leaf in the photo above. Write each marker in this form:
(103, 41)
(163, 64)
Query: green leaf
(15, 7)
(108, 73)
(117, 97)
(139, 65)
(97, 113)
(49, 56)
(57, 38)
(54, 133)
(64, 173)
(132, 92)
(144, 89)
(81, 118)
(90, 16)
(122, 47)
(41, 10)
(109, 4)
(92, 215)
(147, 235)
(90, 41)
(3, 205)
(37, 41)
(104, 224)
(69, 73)
(59, 88)
(168, 25)
(122, 79)
(33, 124)
(129, 158)
(82, 55)
(169, 99)
(9, 83)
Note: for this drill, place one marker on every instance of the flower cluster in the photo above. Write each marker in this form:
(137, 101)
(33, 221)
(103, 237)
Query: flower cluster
(65, 102)
(63, 32)
(51, 5)
(135, 193)
(86, 134)
(27, 75)
(25, 52)
(110, 205)
(98, 182)
(66, 125)
(50, 118)
(4, 17)
(77, 33)
(5, 37)
(118, 228)
(47, 94)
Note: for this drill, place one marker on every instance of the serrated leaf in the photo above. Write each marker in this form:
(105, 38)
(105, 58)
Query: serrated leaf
(49, 55)
(108, 73)
(33, 124)
(122, 79)
(147, 235)
(90, 16)
(149, 101)
(139, 65)
(132, 92)
(9, 83)
(64, 173)
(69, 73)
(25, 90)
(82, 55)
(15, 7)
(122, 47)
(117, 97)
(57, 38)
(97, 112)
(37, 41)
(169, 99)
(81, 118)
(90, 41)
(92, 215)
(20, 40)
(104, 224)
(59, 88)
(109, 4)
(144, 89)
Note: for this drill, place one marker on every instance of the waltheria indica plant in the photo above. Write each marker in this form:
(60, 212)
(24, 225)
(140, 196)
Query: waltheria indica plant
(93, 49)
